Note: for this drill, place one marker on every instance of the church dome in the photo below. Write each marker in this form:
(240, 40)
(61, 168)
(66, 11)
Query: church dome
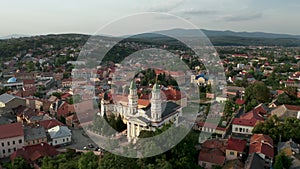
(12, 80)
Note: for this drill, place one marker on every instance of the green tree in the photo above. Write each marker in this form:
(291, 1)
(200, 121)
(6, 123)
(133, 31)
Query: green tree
(112, 161)
(88, 161)
(57, 94)
(30, 66)
(20, 163)
(282, 161)
(291, 91)
(255, 94)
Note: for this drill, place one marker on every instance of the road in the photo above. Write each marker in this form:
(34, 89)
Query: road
(80, 140)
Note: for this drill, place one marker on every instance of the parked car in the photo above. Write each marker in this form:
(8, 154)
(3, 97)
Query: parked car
(91, 145)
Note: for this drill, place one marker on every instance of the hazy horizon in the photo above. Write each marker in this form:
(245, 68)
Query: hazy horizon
(34, 17)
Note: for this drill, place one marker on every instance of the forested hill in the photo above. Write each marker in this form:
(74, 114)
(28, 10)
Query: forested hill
(15, 46)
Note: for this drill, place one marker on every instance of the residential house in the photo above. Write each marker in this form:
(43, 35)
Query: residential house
(39, 117)
(72, 121)
(232, 91)
(59, 109)
(289, 147)
(48, 124)
(11, 138)
(34, 135)
(67, 83)
(34, 154)
(262, 145)
(286, 110)
(24, 114)
(246, 122)
(9, 102)
(212, 153)
(209, 128)
(59, 135)
(62, 110)
(254, 161)
(34, 103)
(243, 126)
(235, 148)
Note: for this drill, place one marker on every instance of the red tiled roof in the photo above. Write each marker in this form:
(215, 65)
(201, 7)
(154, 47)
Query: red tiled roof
(214, 156)
(11, 130)
(143, 102)
(280, 92)
(261, 143)
(211, 144)
(47, 124)
(34, 152)
(244, 122)
(65, 95)
(236, 144)
(221, 128)
(260, 109)
(172, 94)
(252, 115)
(28, 81)
(292, 107)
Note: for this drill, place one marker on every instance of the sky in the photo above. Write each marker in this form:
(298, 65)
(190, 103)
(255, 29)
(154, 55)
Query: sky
(34, 17)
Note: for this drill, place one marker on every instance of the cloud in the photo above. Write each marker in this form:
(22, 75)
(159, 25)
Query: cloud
(171, 17)
(165, 6)
(236, 18)
(193, 11)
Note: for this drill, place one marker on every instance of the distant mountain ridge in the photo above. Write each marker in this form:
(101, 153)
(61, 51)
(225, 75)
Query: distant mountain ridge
(217, 38)
(14, 36)
(210, 33)
(193, 32)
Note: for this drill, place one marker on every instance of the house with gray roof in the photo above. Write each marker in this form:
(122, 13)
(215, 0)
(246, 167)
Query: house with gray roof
(9, 102)
(59, 135)
(289, 147)
(35, 135)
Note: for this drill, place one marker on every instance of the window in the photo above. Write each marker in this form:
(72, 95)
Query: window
(8, 143)
(9, 150)
(15, 149)
(55, 141)
(3, 151)
(20, 141)
(14, 142)
(63, 140)
(247, 130)
(67, 139)
(2, 144)
(33, 141)
(231, 153)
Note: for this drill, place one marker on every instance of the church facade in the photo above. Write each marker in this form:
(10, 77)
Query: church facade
(139, 118)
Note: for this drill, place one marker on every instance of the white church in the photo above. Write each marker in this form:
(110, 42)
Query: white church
(141, 117)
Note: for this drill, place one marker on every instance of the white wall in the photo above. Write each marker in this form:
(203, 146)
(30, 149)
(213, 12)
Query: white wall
(61, 140)
(244, 129)
(12, 147)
